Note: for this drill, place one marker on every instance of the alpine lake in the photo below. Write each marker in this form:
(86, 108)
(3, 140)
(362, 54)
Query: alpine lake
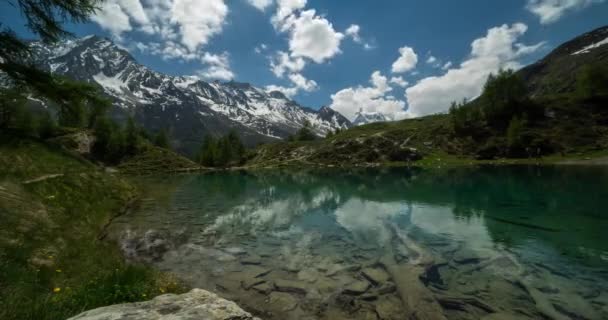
(506, 242)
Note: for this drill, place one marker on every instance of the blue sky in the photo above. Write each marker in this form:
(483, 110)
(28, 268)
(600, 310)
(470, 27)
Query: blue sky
(349, 55)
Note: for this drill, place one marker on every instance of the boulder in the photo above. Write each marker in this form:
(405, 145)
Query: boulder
(197, 304)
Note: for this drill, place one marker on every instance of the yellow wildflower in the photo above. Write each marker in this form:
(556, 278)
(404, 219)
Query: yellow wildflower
(58, 270)
(57, 290)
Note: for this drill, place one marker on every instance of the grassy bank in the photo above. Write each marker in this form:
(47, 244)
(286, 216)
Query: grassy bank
(53, 207)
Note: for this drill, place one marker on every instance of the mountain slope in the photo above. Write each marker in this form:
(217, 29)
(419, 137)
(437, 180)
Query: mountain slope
(569, 126)
(187, 107)
(557, 72)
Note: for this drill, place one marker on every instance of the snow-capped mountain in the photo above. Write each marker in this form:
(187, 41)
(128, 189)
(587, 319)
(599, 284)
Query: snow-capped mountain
(362, 118)
(187, 107)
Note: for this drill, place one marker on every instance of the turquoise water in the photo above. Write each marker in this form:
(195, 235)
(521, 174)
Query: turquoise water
(494, 242)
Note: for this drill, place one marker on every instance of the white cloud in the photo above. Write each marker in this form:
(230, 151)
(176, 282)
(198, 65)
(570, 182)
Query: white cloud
(283, 63)
(447, 65)
(193, 22)
(260, 48)
(285, 9)
(368, 99)
(135, 10)
(218, 66)
(353, 32)
(550, 11)
(406, 61)
(289, 92)
(399, 81)
(198, 20)
(113, 18)
(498, 49)
(301, 82)
(431, 60)
(260, 4)
(313, 37)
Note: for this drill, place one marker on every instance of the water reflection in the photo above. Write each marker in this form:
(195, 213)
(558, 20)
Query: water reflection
(465, 243)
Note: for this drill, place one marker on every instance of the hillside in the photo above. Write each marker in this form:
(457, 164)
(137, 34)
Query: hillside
(537, 112)
(53, 208)
(186, 107)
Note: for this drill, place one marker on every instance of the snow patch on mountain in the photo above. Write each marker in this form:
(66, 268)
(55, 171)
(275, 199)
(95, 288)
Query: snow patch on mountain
(362, 118)
(590, 47)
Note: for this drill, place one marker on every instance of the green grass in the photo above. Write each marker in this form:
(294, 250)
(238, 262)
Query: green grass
(578, 128)
(154, 159)
(52, 264)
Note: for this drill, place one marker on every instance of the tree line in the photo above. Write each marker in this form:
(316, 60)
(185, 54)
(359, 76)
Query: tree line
(225, 151)
(500, 121)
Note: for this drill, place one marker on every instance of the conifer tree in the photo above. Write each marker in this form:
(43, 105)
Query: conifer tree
(162, 140)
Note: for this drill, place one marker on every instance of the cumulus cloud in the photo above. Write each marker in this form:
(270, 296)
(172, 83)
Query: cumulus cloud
(399, 81)
(353, 32)
(191, 22)
(550, 11)
(369, 99)
(312, 37)
(113, 18)
(447, 65)
(301, 82)
(298, 83)
(283, 63)
(179, 29)
(498, 49)
(289, 92)
(407, 60)
(198, 20)
(260, 4)
(286, 8)
(431, 60)
(218, 66)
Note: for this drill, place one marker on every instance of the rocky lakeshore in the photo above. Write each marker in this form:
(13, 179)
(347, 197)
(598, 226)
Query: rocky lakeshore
(194, 305)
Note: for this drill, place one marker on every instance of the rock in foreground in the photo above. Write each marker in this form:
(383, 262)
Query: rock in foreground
(196, 305)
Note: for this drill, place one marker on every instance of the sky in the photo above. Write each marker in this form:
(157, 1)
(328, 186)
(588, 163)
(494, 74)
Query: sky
(402, 58)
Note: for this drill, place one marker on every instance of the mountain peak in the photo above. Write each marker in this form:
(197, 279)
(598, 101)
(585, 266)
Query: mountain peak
(187, 106)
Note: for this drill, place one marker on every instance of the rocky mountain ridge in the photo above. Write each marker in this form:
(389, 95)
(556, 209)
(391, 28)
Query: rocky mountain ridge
(187, 107)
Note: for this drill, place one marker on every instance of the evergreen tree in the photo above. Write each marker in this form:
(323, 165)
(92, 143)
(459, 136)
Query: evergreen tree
(103, 138)
(11, 100)
(162, 140)
(224, 152)
(592, 81)
(26, 122)
(132, 136)
(503, 97)
(305, 133)
(47, 127)
(44, 18)
(208, 151)
(515, 135)
(236, 147)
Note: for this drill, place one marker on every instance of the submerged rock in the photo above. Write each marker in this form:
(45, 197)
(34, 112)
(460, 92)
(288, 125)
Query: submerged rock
(290, 286)
(282, 301)
(357, 288)
(376, 276)
(197, 304)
